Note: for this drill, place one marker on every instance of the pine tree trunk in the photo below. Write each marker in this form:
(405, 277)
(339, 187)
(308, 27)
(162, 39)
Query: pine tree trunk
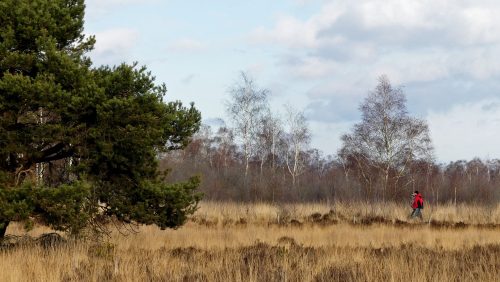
(3, 228)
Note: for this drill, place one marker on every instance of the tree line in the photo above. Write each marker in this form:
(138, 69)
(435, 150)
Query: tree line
(262, 156)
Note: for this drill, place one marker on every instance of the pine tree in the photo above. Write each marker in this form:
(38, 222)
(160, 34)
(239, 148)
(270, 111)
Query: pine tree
(79, 143)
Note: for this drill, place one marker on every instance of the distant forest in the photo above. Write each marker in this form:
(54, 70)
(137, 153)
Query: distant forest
(262, 156)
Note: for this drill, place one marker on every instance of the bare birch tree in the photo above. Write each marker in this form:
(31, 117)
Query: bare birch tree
(387, 139)
(298, 138)
(244, 108)
(270, 131)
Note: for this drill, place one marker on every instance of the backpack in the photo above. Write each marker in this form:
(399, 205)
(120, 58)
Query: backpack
(421, 203)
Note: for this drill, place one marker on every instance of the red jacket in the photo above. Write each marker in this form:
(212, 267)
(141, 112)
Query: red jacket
(418, 202)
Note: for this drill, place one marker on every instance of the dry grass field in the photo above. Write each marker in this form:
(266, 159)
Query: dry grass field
(263, 242)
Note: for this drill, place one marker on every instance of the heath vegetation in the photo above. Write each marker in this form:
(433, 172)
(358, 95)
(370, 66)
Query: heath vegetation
(259, 242)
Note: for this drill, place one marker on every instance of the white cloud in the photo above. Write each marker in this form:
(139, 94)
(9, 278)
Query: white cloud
(481, 25)
(425, 65)
(113, 45)
(415, 40)
(312, 67)
(407, 14)
(467, 130)
(295, 33)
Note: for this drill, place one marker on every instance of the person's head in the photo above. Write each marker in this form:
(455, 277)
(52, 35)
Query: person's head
(416, 192)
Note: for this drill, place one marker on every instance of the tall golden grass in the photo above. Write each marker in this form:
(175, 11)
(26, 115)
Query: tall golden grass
(264, 242)
(264, 213)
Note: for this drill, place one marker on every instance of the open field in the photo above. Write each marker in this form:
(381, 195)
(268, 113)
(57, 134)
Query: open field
(262, 242)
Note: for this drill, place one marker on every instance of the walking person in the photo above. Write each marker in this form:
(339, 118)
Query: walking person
(417, 205)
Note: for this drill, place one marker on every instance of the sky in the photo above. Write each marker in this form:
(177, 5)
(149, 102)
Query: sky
(321, 56)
